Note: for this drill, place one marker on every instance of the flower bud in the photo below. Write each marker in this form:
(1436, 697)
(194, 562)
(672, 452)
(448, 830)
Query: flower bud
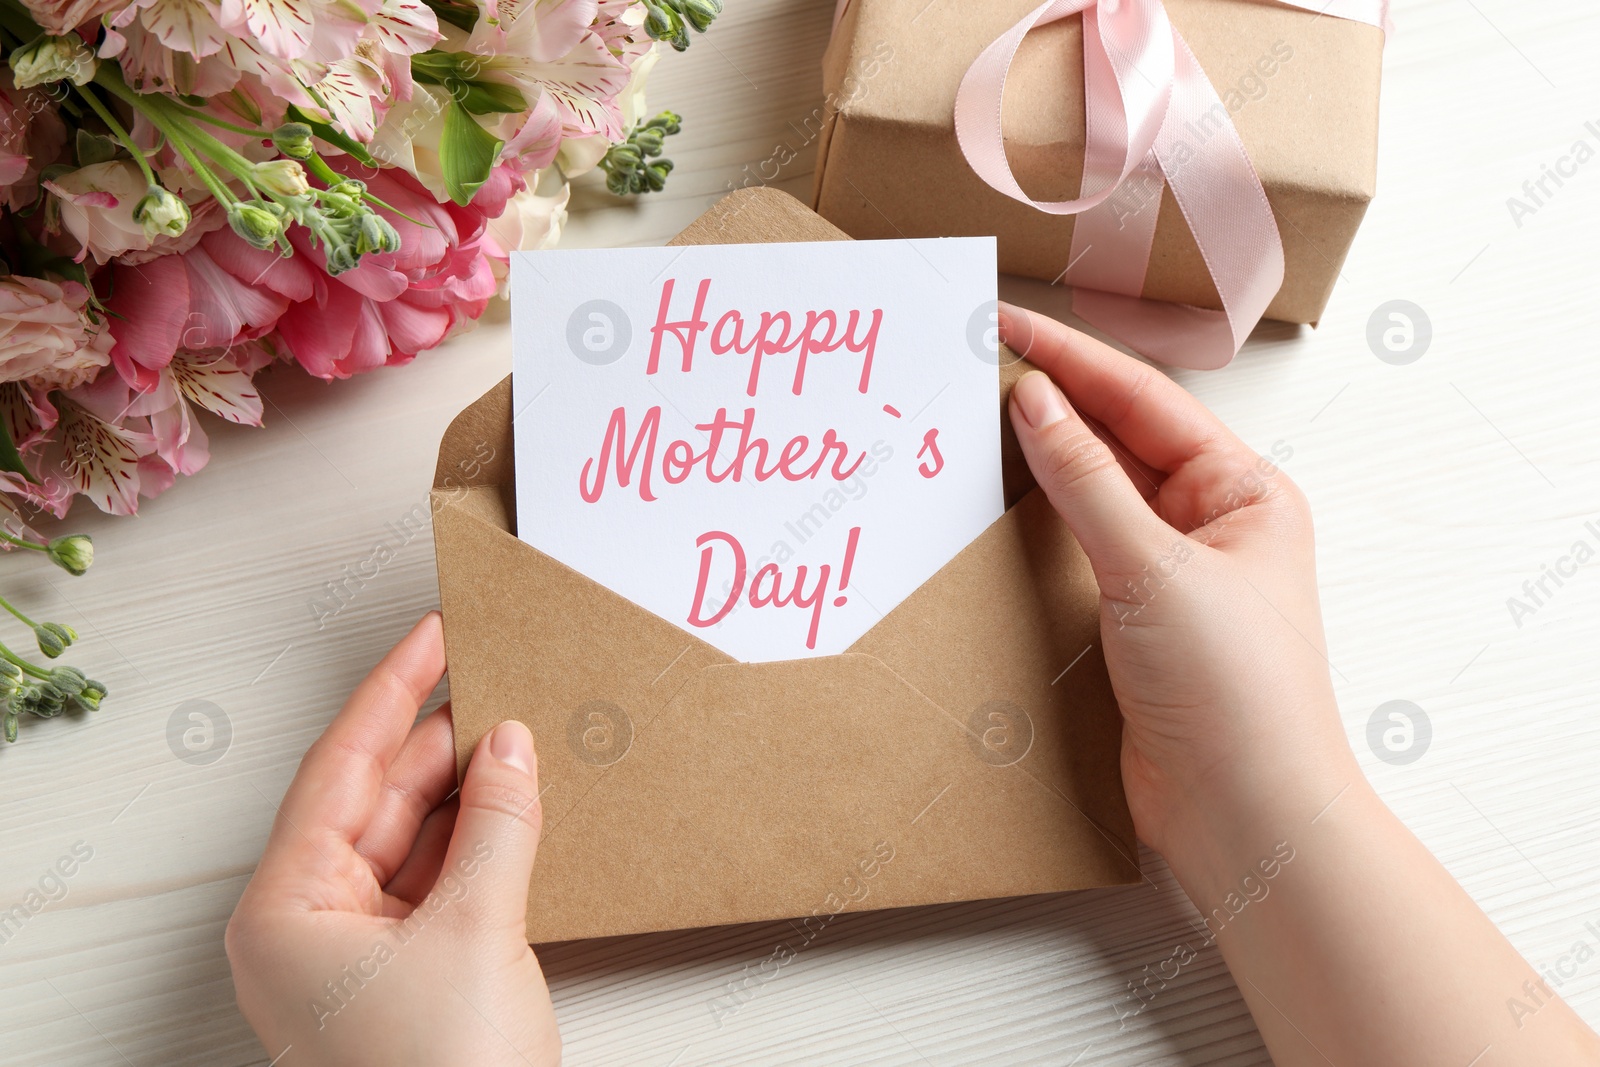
(70, 680)
(700, 13)
(50, 702)
(668, 122)
(255, 223)
(11, 725)
(342, 257)
(91, 696)
(625, 156)
(54, 638)
(655, 175)
(9, 671)
(47, 59)
(282, 177)
(659, 22)
(376, 235)
(163, 214)
(293, 139)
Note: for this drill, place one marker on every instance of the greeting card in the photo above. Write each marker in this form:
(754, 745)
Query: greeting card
(770, 446)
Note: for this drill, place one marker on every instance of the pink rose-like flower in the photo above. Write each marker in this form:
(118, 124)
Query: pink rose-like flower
(97, 205)
(45, 337)
(394, 304)
(221, 292)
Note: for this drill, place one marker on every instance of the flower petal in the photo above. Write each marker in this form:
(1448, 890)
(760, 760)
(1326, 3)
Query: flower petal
(99, 460)
(283, 27)
(219, 385)
(149, 307)
(184, 26)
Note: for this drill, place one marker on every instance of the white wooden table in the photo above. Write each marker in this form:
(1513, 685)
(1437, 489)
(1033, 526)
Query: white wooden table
(1439, 486)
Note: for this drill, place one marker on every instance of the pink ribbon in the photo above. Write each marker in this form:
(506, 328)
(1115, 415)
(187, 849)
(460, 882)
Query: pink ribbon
(1152, 121)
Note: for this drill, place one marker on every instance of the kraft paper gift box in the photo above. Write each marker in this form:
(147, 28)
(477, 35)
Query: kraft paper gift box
(1301, 89)
(966, 747)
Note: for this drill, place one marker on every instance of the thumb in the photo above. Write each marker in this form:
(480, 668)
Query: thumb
(1084, 481)
(497, 829)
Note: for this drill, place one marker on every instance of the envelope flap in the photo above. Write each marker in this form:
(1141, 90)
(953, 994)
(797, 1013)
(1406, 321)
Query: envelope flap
(476, 448)
(1006, 637)
(526, 632)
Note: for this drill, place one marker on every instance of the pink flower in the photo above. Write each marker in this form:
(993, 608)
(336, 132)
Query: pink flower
(221, 293)
(394, 304)
(218, 381)
(96, 204)
(72, 451)
(214, 296)
(44, 335)
(546, 47)
(59, 16)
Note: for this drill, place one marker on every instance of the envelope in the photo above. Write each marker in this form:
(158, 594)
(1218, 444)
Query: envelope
(966, 747)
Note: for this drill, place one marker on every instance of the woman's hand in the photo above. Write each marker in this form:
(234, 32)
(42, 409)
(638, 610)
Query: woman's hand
(1208, 590)
(1349, 941)
(384, 924)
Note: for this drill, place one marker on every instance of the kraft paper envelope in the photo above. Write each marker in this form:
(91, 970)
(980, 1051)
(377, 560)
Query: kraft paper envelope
(966, 747)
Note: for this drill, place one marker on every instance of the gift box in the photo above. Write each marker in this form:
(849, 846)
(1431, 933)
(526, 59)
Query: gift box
(966, 747)
(1299, 87)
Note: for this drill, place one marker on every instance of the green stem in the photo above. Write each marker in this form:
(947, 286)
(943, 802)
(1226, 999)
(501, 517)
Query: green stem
(29, 623)
(120, 133)
(201, 116)
(321, 171)
(28, 668)
(21, 542)
(151, 107)
(226, 157)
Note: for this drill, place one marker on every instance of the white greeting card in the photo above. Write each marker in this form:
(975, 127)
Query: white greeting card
(769, 445)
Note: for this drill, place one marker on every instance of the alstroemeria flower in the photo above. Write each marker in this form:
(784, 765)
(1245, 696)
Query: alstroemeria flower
(547, 46)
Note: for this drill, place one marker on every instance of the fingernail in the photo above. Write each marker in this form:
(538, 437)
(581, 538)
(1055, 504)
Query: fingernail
(510, 742)
(1040, 402)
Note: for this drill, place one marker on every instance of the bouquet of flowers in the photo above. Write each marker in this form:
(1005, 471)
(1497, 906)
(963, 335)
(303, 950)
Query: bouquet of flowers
(191, 190)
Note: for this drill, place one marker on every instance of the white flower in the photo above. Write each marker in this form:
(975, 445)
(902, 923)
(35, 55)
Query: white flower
(49, 59)
(284, 177)
(97, 207)
(409, 137)
(161, 213)
(579, 155)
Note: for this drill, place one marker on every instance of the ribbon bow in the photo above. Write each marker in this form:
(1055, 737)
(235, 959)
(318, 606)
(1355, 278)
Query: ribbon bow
(1143, 90)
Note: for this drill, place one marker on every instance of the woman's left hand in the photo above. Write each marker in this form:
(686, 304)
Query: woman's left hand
(385, 922)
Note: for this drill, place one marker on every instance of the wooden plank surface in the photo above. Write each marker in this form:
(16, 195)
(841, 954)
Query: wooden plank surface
(1439, 487)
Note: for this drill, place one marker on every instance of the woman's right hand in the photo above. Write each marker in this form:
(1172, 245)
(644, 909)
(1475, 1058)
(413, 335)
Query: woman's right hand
(1209, 614)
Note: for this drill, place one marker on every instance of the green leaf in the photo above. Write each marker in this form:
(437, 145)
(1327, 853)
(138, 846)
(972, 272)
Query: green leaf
(488, 98)
(467, 153)
(10, 458)
(92, 148)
